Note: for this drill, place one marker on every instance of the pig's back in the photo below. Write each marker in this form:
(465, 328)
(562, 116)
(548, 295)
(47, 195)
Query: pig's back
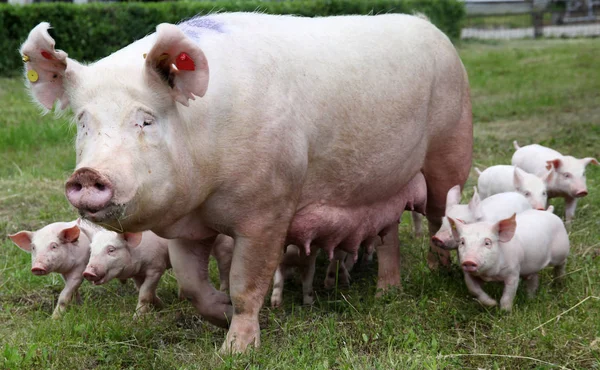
(541, 235)
(503, 205)
(532, 158)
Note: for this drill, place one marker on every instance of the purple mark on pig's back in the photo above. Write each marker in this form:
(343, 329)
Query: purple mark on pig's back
(194, 27)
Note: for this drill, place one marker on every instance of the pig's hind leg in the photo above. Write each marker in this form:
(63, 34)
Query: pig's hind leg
(531, 284)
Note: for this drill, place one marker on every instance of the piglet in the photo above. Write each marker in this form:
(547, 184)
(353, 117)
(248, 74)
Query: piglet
(295, 257)
(568, 177)
(501, 178)
(519, 246)
(143, 257)
(59, 247)
(492, 209)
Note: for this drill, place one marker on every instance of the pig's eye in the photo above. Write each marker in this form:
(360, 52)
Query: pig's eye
(567, 175)
(462, 242)
(147, 122)
(544, 193)
(527, 194)
(488, 243)
(53, 245)
(111, 249)
(33, 247)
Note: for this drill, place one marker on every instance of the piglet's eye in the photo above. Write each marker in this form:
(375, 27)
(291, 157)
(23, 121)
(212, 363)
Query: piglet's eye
(147, 123)
(567, 175)
(53, 245)
(488, 243)
(111, 249)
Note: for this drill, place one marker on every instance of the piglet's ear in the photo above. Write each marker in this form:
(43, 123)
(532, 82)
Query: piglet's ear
(518, 177)
(475, 205)
(556, 163)
(179, 62)
(22, 239)
(45, 67)
(456, 227)
(70, 234)
(453, 196)
(506, 228)
(589, 160)
(132, 239)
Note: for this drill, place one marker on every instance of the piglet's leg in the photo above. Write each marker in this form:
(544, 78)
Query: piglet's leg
(531, 284)
(511, 284)
(308, 275)
(388, 257)
(73, 281)
(190, 266)
(278, 281)
(417, 224)
(222, 249)
(147, 296)
(570, 206)
(336, 271)
(474, 285)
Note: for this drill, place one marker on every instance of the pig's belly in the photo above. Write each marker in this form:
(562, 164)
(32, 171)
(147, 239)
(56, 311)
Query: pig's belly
(329, 226)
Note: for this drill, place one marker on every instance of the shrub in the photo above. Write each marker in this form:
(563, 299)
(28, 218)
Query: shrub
(89, 32)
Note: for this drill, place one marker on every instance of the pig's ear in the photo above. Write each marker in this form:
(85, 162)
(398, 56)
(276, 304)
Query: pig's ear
(70, 234)
(506, 228)
(518, 178)
(132, 239)
(22, 239)
(547, 177)
(550, 209)
(456, 227)
(589, 160)
(178, 62)
(453, 196)
(46, 68)
(556, 163)
(475, 205)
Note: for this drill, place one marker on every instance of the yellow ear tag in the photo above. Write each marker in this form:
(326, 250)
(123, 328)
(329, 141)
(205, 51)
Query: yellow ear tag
(25, 58)
(32, 75)
(144, 55)
(163, 57)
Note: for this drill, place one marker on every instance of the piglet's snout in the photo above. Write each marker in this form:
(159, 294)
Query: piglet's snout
(581, 193)
(89, 190)
(39, 269)
(470, 266)
(90, 275)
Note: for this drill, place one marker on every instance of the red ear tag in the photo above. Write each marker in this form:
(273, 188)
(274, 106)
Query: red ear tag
(184, 63)
(46, 54)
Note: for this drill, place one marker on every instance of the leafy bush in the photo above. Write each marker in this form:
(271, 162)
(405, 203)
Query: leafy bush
(89, 32)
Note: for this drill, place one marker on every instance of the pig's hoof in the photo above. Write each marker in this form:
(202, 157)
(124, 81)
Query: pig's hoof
(489, 302)
(275, 302)
(506, 306)
(308, 300)
(56, 315)
(240, 336)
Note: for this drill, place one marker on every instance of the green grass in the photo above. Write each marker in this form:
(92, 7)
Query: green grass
(534, 91)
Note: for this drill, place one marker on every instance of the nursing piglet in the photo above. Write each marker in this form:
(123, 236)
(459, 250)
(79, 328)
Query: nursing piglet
(519, 246)
(59, 247)
(568, 177)
(492, 209)
(501, 179)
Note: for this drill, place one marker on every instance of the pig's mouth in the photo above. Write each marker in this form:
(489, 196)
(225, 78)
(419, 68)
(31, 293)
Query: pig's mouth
(94, 278)
(111, 212)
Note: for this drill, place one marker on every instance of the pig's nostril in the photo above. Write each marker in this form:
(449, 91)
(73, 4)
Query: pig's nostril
(99, 186)
(75, 187)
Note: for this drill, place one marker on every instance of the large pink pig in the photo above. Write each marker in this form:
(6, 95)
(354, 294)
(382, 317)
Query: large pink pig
(510, 249)
(567, 173)
(59, 247)
(303, 130)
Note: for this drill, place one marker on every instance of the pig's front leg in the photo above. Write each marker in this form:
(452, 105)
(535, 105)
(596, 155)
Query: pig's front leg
(147, 295)
(73, 281)
(308, 275)
(190, 266)
(531, 283)
(388, 258)
(417, 224)
(474, 285)
(278, 281)
(570, 207)
(511, 283)
(256, 256)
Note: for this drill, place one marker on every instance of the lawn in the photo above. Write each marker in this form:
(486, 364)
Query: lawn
(544, 91)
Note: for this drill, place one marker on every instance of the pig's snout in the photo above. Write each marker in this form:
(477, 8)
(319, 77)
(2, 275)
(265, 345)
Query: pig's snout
(581, 193)
(39, 270)
(92, 275)
(470, 266)
(88, 190)
(437, 242)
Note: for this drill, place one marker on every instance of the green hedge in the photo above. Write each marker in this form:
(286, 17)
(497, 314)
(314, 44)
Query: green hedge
(89, 32)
